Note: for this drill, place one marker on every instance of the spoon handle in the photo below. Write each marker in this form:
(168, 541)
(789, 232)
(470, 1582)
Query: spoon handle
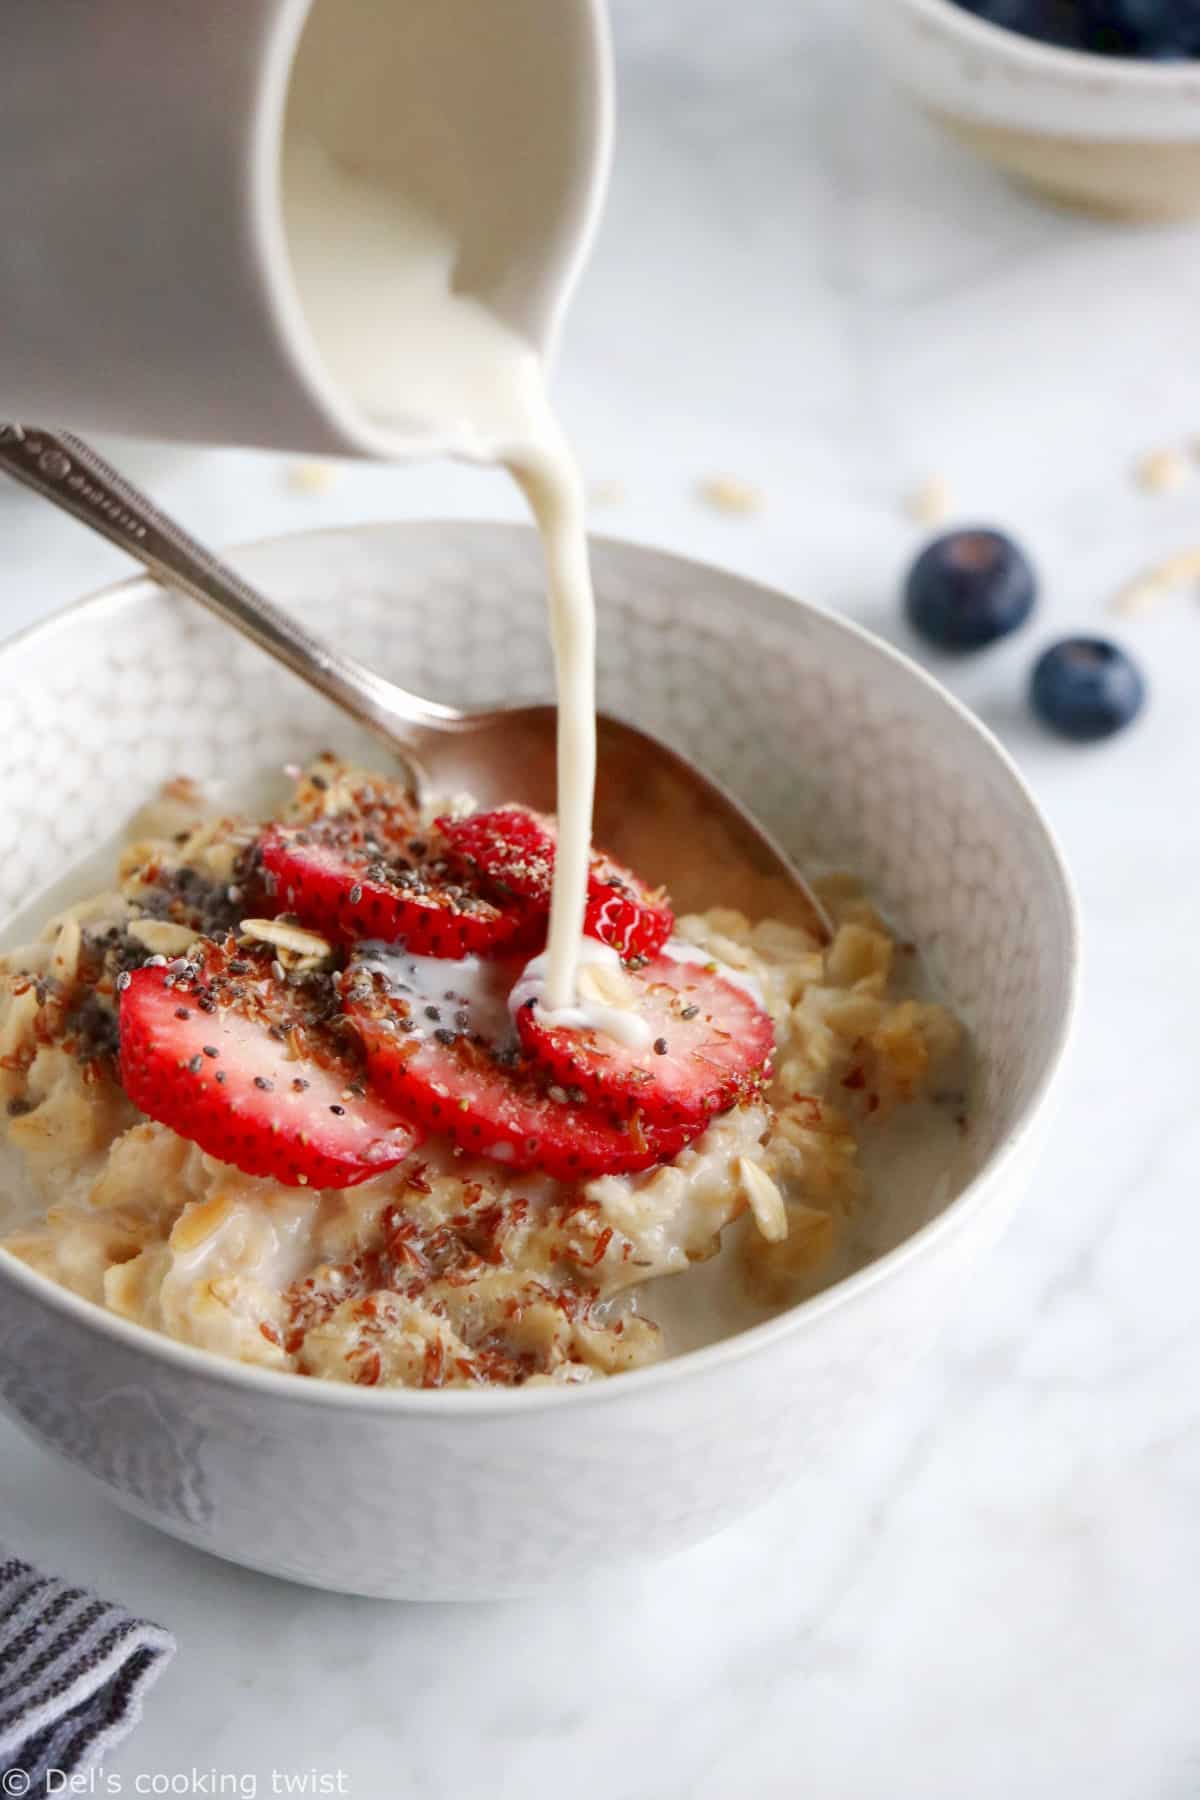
(63, 469)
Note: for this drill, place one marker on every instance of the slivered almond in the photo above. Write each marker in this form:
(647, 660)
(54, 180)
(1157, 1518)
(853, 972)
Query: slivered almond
(65, 960)
(1157, 583)
(313, 477)
(286, 937)
(162, 937)
(766, 1201)
(1161, 471)
(930, 501)
(729, 494)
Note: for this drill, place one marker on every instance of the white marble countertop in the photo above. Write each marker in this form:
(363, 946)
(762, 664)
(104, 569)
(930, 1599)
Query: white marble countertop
(992, 1592)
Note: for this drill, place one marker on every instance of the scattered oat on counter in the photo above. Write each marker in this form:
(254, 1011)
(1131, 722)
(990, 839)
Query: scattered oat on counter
(727, 494)
(930, 502)
(1155, 584)
(606, 493)
(311, 477)
(1161, 471)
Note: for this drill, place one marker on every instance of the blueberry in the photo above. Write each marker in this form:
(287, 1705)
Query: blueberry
(1052, 21)
(968, 588)
(1160, 29)
(1086, 688)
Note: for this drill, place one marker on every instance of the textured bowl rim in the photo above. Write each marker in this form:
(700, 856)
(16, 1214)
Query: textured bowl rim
(690, 1364)
(1130, 72)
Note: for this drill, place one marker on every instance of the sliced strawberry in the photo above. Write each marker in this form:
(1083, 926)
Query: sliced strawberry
(491, 1100)
(623, 913)
(512, 851)
(512, 848)
(244, 1066)
(339, 878)
(709, 1045)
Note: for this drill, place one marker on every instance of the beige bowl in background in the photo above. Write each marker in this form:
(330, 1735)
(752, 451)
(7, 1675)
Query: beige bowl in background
(1117, 135)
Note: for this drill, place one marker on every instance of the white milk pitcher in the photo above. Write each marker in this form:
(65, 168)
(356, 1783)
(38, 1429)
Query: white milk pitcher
(241, 222)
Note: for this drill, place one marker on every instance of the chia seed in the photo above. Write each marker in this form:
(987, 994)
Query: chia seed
(261, 1082)
(660, 1046)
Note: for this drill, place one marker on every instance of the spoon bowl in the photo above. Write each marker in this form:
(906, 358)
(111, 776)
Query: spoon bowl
(654, 810)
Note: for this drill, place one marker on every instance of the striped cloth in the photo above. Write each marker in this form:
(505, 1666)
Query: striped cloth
(73, 1672)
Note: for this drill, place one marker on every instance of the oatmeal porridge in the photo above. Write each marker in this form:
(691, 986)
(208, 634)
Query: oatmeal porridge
(294, 1092)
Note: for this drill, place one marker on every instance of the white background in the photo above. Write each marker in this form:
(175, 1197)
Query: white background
(993, 1592)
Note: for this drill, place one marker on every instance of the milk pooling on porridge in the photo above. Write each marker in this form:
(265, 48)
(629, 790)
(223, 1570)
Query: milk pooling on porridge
(421, 349)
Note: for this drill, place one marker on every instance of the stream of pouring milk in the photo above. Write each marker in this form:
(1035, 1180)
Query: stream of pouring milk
(375, 278)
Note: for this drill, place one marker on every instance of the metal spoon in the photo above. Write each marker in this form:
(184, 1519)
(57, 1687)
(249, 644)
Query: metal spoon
(654, 810)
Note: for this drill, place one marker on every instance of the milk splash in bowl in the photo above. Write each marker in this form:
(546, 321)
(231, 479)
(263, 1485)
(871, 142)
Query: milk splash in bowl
(423, 349)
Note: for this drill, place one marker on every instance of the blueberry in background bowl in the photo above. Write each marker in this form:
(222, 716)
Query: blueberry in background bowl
(1165, 29)
(968, 588)
(1158, 29)
(1050, 21)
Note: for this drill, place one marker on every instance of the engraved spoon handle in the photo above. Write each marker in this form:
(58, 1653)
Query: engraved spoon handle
(63, 469)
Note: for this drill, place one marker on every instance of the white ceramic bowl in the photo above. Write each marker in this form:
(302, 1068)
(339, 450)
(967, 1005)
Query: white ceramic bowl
(1113, 134)
(847, 751)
